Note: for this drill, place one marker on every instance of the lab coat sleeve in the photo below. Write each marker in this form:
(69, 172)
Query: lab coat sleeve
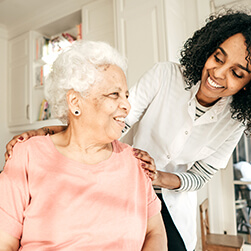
(142, 94)
(220, 158)
(203, 170)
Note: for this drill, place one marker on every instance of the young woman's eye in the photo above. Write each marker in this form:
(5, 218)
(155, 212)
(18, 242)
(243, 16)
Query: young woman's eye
(217, 59)
(236, 75)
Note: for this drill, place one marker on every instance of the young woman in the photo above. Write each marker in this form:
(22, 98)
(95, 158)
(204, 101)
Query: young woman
(191, 116)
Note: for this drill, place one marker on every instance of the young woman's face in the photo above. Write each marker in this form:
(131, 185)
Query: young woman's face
(225, 72)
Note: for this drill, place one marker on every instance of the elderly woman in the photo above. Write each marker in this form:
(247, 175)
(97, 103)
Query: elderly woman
(81, 189)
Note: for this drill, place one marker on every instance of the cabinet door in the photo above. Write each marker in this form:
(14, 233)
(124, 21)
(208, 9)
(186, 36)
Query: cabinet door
(98, 21)
(18, 79)
(141, 34)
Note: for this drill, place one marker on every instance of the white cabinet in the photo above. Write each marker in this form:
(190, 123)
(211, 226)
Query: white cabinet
(24, 95)
(141, 34)
(98, 21)
(24, 99)
(18, 75)
(149, 31)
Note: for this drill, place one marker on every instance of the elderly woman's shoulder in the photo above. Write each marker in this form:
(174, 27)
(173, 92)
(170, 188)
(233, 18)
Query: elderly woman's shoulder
(38, 138)
(35, 142)
(121, 146)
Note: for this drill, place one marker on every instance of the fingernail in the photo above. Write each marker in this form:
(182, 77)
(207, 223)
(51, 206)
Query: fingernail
(20, 138)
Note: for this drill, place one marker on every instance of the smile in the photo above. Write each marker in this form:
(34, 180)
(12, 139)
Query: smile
(213, 84)
(121, 121)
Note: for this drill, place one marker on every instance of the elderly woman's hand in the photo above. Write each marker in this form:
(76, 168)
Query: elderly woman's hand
(147, 163)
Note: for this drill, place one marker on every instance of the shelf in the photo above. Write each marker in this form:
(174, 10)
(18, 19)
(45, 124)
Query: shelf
(35, 125)
(239, 182)
(39, 62)
(39, 87)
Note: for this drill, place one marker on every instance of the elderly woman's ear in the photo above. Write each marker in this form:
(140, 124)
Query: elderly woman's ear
(74, 100)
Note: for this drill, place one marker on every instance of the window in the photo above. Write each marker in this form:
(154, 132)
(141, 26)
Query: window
(242, 187)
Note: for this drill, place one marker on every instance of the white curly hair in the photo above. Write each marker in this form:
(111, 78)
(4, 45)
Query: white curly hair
(77, 68)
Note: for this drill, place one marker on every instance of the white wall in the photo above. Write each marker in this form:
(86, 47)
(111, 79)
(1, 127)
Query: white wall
(5, 135)
(184, 12)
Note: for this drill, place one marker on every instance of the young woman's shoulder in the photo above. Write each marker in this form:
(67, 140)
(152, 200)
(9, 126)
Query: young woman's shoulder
(167, 66)
(168, 70)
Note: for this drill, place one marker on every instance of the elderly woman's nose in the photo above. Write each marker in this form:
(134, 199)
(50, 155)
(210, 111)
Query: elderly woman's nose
(124, 104)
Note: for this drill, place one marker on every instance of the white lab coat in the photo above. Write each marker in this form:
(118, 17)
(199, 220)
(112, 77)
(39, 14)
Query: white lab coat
(168, 131)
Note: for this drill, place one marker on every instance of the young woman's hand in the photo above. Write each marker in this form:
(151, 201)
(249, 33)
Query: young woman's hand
(26, 135)
(147, 163)
(159, 178)
(21, 138)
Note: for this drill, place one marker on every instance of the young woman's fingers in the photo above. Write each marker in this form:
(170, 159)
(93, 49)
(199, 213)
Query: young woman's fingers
(149, 166)
(18, 138)
(142, 155)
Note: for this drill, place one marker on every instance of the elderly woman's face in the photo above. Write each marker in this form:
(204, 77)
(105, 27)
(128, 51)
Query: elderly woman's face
(105, 108)
(226, 71)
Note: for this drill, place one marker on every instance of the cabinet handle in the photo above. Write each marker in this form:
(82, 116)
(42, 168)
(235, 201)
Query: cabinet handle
(27, 111)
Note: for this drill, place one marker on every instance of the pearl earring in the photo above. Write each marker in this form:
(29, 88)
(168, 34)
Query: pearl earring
(77, 112)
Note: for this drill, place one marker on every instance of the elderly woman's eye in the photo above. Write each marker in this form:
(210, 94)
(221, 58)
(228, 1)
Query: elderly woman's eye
(115, 94)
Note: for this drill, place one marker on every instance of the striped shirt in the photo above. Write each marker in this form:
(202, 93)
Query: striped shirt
(200, 173)
(200, 110)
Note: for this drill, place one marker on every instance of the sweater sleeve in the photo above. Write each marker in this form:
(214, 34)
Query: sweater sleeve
(14, 195)
(154, 203)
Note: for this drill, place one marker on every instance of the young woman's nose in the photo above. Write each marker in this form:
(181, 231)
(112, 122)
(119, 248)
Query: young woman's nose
(220, 71)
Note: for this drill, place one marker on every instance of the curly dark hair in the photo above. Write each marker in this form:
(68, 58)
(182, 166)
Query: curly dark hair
(205, 41)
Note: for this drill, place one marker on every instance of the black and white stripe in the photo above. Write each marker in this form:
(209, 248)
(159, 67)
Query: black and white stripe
(198, 112)
(196, 177)
(201, 172)
(126, 128)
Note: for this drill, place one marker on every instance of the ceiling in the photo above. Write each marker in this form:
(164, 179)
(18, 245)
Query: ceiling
(14, 12)
(225, 2)
(45, 16)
